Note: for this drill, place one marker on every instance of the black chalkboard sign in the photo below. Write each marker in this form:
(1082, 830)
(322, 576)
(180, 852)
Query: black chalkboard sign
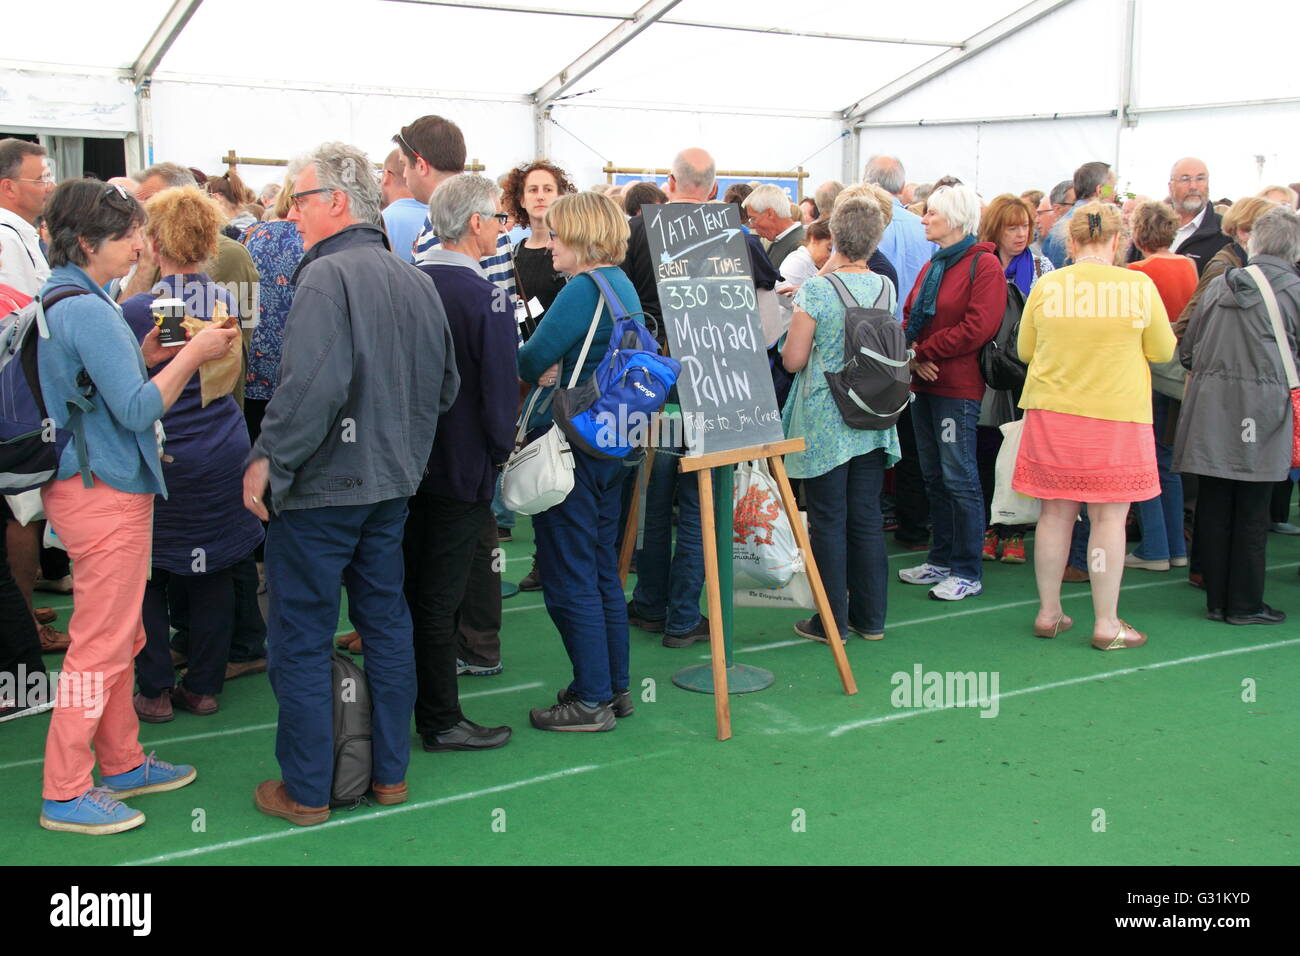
(710, 315)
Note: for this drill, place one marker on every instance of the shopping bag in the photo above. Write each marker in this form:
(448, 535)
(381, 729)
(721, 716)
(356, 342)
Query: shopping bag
(763, 548)
(1010, 506)
(27, 506)
(797, 593)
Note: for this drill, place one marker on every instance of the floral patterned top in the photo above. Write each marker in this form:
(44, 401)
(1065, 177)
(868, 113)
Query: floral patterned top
(276, 248)
(810, 412)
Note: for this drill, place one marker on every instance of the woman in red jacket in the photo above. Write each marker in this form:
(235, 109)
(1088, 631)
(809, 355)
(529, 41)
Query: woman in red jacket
(955, 307)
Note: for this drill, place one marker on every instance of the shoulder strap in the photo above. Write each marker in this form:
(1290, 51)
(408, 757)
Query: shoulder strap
(846, 297)
(519, 281)
(591, 334)
(1275, 317)
(602, 284)
(975, 261)
(49, 301)
(21, 242)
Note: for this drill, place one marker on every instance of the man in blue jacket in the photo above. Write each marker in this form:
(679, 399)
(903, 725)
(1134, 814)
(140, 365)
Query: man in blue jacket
(368, 367)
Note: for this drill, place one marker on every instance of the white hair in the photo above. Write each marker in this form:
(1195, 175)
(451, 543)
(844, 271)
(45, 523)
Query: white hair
(766, 196)
(456, 200)
(1275, 233)
(960, 205)
(347, 169)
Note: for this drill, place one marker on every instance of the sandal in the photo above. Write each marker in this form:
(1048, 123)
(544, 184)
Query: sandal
(1062, 625)
(1128, 637)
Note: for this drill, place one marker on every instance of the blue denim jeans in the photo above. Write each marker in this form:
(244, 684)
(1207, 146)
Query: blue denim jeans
(848, 540)
(505, 517)
(945, 445)
(1162, 517)
(307, 551)
(575, 546)
(668, 580)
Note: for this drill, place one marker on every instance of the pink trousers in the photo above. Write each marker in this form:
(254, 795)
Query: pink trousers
(109, 537)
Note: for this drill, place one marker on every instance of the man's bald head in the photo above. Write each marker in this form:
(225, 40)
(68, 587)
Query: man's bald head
(693, 177)
(392, 185)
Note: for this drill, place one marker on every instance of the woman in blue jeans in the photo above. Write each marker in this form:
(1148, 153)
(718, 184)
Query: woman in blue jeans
(842, 468)
(575, 539)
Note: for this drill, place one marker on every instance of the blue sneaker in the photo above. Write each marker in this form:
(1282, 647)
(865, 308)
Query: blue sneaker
(152, 776)
(95, 812)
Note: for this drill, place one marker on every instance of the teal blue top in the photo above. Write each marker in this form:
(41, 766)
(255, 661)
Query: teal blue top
(563, 330)
(88, 332)
(810, 412)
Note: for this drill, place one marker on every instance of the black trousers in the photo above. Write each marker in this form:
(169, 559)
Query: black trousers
(1279, 506)
(210, 599)
(18, 641)
(911, 506)
(1231, 533)
(248, 627)
(439, 544)
(478, 620)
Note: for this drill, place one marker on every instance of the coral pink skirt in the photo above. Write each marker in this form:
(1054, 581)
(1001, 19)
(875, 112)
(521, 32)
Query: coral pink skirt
(1073, 458)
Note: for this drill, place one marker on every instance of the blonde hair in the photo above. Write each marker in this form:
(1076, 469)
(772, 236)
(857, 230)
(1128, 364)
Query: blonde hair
(1243, 213)
(873, 191)
(185, 221)
(1284, 190)
(590, 224)
(1094, 223)
(284, 198)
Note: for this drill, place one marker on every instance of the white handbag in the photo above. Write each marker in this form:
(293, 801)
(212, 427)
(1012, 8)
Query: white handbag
(539, 475)
(1010, 507)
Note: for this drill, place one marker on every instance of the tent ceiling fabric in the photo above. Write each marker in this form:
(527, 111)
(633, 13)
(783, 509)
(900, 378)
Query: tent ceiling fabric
(411, 45)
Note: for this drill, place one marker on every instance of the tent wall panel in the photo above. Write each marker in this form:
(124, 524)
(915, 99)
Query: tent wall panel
(96, 104)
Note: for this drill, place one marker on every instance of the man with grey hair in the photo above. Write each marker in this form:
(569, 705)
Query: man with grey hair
(1050, 208)
(475, 436)
(772, 216)
(367, 369)
(1094, 181)
(826, 195)
(904, 243)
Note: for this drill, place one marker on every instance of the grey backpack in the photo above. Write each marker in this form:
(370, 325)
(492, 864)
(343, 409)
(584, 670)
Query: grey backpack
(874, 387)
(352, 759)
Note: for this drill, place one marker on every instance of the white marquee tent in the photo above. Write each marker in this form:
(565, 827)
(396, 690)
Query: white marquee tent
(1006, 94)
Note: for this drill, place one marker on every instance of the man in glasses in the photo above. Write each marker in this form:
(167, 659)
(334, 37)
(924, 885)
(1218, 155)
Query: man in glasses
(1200, 228)
(25, 183)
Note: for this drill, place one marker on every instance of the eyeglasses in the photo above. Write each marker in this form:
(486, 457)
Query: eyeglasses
(553, 234)
(45, 180)
(414, 151)
(501, 217)
(1201, 179)
(297, 198)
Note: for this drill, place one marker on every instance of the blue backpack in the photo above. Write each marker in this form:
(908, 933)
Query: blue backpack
(609, 415)
(30, 445)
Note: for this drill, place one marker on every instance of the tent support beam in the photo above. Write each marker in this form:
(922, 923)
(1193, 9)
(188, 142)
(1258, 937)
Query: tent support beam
(607, 46)
(169, 28)
(701, 24)
(986, 38)
(542, 131)
(1122, 119)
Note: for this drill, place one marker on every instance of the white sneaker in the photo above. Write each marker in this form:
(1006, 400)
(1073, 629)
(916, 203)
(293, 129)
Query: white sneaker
(954, 589)
(923, 574)
(1131, 560)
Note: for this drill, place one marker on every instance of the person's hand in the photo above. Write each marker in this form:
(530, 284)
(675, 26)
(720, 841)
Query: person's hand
(154, 352)
(257, 478)
(211, 343)
(549, 377)
(789, 290)
(926, 370)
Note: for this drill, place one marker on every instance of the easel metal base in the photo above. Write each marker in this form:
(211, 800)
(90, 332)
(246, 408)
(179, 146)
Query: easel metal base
(741, 679)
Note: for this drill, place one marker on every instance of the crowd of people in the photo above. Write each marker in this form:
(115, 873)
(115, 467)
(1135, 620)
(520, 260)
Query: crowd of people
(407, 330)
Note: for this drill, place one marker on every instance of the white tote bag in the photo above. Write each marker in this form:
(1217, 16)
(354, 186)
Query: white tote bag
(796, 594)
(1009, 505)
(539, 475)
(763, 549)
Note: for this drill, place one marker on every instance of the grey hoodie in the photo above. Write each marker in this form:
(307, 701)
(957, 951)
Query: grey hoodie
(1235, 421)
(368, 367)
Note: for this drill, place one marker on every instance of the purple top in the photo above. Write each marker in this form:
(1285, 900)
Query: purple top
(202, 525)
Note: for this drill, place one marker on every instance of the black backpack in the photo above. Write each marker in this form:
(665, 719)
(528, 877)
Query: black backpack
(874, 387)
(999, 363)
(352, 722)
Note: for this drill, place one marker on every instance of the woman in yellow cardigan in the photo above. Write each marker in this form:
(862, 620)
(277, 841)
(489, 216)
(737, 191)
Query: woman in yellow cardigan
(1088, 332)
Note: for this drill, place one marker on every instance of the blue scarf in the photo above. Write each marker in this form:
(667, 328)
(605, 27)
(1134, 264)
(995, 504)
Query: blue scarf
(1021, 270)
(924, 306)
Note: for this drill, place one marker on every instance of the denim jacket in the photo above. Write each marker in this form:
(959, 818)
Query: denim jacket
(88, 332)
(368, 367)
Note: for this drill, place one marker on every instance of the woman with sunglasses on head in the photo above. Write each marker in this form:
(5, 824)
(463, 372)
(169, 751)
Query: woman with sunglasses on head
(101, 502)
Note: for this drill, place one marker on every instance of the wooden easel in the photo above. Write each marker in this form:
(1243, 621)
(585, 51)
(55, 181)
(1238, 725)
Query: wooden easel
(701, 465)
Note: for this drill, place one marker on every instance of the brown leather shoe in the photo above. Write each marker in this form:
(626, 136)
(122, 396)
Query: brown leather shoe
(45, 615)
(244, 668)
(387, 794)
(154, 710)
(202, 704)
(52, 641)
(273, 799)
(345, 641)
(1074, 575)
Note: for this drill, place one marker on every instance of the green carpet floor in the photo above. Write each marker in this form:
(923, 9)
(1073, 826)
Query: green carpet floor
(1149, 756)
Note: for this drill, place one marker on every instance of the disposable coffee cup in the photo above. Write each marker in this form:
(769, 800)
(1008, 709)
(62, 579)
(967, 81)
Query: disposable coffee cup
(168, 314)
